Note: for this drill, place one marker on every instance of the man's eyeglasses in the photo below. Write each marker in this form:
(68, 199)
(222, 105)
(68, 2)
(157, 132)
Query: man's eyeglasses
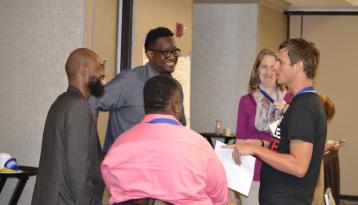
(168, 53)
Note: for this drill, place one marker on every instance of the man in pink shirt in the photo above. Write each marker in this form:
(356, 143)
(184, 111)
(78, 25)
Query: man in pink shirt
(161, 159)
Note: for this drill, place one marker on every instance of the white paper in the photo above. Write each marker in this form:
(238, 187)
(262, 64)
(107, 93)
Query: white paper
(239, 176)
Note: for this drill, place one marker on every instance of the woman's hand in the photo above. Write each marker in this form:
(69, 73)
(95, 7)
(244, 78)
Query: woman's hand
(280, 104)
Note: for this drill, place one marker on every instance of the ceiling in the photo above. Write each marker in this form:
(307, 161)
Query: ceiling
(321, 3)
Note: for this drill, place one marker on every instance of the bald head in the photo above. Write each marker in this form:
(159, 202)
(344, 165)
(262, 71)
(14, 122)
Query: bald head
(78, 57)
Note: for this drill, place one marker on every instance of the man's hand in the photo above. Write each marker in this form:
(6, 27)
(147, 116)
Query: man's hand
(242, 149)
(330, 146)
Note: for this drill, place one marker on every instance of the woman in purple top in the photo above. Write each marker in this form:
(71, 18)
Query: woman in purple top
(257, 109)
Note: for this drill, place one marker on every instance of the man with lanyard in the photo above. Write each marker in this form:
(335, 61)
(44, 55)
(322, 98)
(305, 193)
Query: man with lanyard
(292, 162)
(159, 159)
(124, 94)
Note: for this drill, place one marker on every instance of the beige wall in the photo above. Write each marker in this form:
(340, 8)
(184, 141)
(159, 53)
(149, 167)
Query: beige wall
(154, 13)
(336, 37)
(272, 24)
(101, 36)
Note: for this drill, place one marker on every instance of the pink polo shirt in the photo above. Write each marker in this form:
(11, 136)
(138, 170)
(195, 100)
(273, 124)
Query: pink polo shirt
(164, 161)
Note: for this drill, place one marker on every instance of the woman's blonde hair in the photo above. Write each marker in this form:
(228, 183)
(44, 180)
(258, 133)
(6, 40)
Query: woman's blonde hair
(254, 79)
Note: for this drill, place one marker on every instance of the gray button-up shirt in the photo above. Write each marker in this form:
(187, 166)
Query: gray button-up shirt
(123, 98)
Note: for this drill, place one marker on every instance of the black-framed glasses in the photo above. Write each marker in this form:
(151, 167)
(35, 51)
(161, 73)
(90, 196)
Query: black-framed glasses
(168, 53)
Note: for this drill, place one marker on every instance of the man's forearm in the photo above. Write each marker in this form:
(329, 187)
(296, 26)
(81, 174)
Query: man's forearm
(295, 163)
(282, 162)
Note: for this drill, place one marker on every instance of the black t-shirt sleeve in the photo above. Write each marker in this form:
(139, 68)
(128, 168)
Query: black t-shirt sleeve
(301, 125)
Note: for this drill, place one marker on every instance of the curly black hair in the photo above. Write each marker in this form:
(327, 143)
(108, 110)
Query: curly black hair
(158, 91)
(154, 34)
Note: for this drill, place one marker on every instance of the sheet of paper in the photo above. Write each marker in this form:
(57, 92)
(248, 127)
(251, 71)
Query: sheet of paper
(239, 176)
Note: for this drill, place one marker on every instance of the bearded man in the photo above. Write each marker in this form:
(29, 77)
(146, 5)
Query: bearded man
(69, 169)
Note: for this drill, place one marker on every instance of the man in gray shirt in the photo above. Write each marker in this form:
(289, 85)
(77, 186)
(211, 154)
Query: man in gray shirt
(123, 96)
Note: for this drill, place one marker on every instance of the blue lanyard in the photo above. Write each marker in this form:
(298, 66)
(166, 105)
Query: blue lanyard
(164, 120)
(305, 90)
(267, 95)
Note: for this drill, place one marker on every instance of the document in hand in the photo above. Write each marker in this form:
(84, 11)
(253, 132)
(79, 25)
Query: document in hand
(239, 176)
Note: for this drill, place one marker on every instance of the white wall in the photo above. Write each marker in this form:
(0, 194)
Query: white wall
(224, 49)
(36, 38)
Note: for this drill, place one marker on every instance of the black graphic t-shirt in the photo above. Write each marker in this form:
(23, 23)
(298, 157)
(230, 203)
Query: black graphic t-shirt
(304, 120)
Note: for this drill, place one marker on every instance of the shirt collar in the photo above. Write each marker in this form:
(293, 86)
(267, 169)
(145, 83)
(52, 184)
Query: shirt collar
(74, 90)
(150, 117)
(152, 71)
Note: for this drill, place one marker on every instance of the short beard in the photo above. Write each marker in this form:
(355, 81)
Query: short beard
(96, 87)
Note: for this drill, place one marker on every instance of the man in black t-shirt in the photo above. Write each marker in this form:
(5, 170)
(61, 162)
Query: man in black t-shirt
(303, 121)
(292, 162)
